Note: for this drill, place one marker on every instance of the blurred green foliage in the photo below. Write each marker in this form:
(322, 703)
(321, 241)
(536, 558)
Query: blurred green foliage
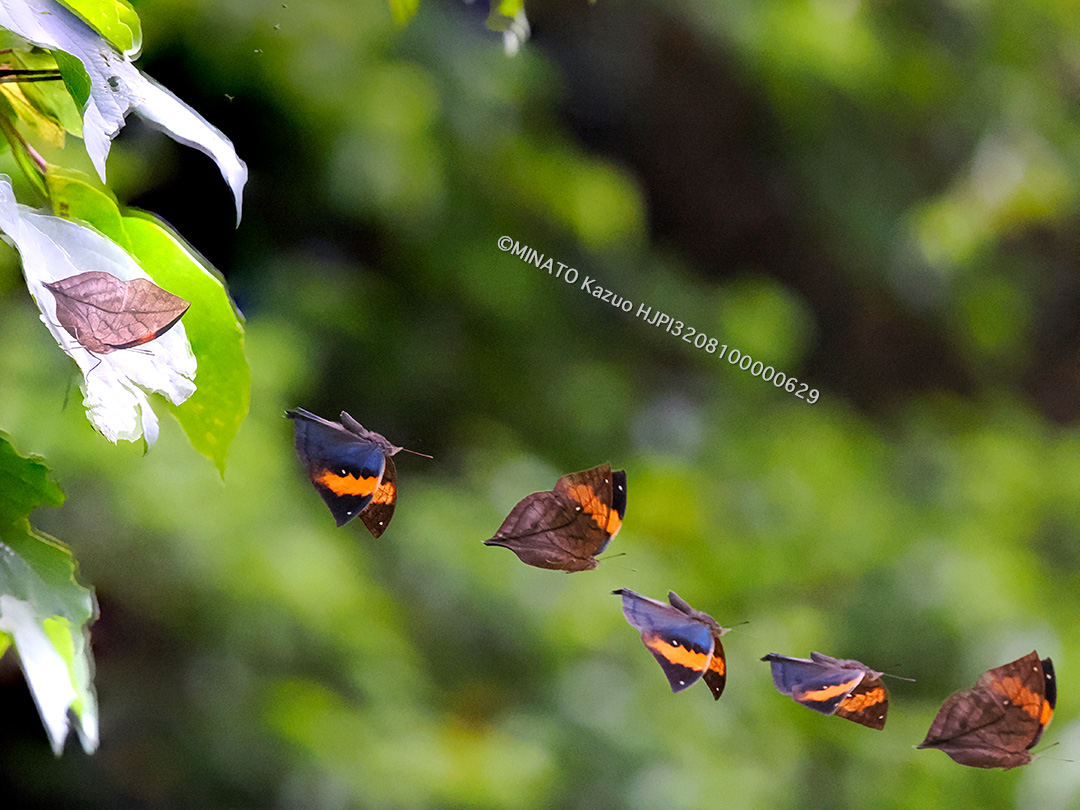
(877, 199)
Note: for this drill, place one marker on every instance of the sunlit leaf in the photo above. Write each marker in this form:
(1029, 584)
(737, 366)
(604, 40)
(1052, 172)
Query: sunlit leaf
(46, 127)
(212, 416)
(75, 77)
(24, 485)
(214, 413)
(49, 97)
(115, 20)
(74, 196)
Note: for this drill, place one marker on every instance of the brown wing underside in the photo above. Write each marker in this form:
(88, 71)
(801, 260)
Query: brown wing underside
(105, 313)
(548, 531)
(995, 723)
(376, 516)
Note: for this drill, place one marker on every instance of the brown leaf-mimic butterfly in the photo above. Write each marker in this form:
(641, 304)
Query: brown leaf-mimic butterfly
(568, 526)
(995, 723)
(105, 313)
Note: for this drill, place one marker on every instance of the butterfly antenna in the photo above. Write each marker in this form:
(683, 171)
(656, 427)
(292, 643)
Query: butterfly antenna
(737, 624)
(612, 556)
(416, 452)
(607, 557)
(898, 677)
(1047, 748)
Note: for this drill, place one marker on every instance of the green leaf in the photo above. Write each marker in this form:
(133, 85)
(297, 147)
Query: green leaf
(75, 77)
(24, 485)
(74, 195)
(213, 414)
(40, 570)
(45, 126)
(24, 159)
(115, 20)
(43, 608)
(51, 98)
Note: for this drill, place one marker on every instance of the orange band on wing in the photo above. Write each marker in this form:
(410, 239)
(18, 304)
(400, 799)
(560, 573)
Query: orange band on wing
(717, 664)
(603, 516)
(856, 703)
(1047, 714)
(684, 657)
(1014, 689)
(828, 692)
(385, 493)
(614, 523)
(346, 484)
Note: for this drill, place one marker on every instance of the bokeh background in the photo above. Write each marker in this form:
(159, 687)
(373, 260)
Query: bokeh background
(880, 199)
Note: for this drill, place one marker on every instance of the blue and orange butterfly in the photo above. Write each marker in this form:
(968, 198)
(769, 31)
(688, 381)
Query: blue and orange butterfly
(685, 641)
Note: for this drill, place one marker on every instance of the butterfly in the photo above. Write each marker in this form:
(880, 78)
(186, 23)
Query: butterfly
(843, 687)
(994, 724)
(350, 466)
(685, 641)
(105, 313)
(567, 527)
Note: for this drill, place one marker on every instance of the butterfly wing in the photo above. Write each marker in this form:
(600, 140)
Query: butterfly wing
(994, 724)
(866, 704)
(105, 313)
(566, 528)
(1029, 687)
(599, 498)
(715, 676)
(378, 513)
(1046, 713)
(968, 727)
(345, 469)
(824, 684)
(682, 645)
(354, 427)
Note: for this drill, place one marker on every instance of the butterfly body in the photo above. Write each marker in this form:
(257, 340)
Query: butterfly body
(997, 722)
(565, 528)
(351, 468)
(684, 641)
(839, 686)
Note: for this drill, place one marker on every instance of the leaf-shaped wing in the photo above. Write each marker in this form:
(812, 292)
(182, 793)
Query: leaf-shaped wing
(105, 313)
